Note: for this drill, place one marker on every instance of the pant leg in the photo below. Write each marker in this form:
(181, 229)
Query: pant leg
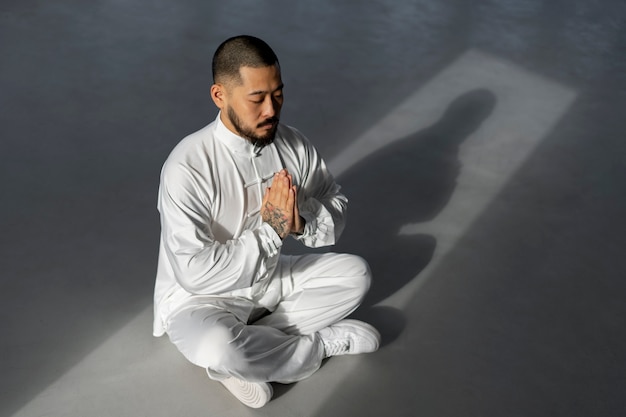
(214, 338)
(317, 291)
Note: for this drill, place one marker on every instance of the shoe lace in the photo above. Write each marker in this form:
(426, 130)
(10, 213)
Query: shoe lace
(336, 347)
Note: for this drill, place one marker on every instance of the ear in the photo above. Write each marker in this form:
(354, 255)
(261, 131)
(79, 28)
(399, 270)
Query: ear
(218, 94)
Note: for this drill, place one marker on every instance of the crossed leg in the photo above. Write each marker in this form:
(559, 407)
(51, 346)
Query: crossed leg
(283, 346)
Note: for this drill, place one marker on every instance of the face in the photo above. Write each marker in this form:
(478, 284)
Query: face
(251, 109)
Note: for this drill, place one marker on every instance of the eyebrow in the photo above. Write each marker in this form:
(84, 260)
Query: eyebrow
(258, 92)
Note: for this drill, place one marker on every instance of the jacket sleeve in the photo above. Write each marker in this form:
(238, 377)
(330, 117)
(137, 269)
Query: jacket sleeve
(200, 263)
(320, 201)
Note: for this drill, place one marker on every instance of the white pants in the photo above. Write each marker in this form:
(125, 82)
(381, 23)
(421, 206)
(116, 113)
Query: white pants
(282, 346)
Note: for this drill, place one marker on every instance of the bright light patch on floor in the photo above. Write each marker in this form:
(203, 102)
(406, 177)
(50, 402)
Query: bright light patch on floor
(527, 107)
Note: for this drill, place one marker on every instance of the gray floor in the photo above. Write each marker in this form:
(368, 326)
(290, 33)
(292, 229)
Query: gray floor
(481, 144)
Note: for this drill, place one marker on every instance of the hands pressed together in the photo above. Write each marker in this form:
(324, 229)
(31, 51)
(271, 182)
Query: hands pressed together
(280, 206)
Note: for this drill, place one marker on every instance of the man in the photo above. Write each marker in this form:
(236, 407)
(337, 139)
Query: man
(229, 195)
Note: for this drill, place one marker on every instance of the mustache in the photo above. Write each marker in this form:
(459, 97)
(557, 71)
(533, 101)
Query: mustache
(268, 122)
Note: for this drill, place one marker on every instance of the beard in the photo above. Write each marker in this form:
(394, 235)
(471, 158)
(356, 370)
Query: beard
(248, 133)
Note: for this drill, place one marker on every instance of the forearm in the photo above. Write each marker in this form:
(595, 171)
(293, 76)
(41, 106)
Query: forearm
(324, 220)
(216, 268)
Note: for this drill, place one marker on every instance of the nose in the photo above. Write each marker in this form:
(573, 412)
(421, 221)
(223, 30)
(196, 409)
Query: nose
(271, 107)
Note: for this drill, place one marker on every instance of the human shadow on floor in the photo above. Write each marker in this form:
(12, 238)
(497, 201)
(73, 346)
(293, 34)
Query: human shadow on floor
(409, 181)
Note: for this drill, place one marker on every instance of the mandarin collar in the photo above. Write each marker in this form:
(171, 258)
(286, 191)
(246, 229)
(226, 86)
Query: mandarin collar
(233, 141)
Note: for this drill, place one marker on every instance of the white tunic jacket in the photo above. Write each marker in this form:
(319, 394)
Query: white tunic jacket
(214, 246)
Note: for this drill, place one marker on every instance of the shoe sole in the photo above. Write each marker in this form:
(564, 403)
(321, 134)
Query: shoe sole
(252, 394)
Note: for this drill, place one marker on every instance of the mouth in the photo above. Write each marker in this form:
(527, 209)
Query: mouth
(269, 124)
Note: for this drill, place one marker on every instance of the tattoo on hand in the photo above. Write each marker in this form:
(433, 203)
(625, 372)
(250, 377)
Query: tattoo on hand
(275, 217)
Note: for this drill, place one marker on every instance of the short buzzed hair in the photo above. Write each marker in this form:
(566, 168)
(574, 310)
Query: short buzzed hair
(240, 51)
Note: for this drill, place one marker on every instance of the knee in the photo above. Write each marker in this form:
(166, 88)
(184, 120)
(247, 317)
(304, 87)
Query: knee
(215, 348)
(207, 347)
(358, 273)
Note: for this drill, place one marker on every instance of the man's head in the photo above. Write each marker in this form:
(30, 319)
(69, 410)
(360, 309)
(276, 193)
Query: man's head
(247, 88)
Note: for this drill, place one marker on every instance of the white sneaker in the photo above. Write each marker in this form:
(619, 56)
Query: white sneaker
(252, 394)
(349, 337)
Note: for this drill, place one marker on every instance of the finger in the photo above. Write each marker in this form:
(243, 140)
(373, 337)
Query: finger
(286, 175)
(285, 191)
(296, 211)
(278, 179)
(297, 226)
(274, 193)
(279, 185)
(275, 179)
(290, 200)
(274, 188)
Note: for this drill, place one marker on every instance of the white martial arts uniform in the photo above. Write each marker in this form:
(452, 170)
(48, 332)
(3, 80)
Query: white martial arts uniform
(220, 264)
